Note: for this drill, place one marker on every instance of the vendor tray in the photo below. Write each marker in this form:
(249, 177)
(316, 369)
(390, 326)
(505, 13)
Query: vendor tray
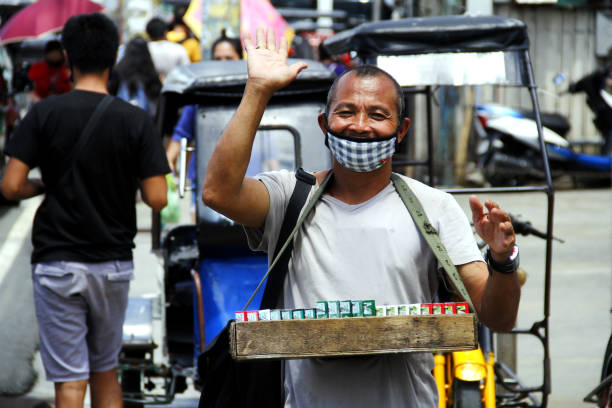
(289, 339)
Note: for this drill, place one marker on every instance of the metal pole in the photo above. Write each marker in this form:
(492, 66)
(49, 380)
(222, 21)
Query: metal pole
(430, 151)
(376, 10)
(549, 227)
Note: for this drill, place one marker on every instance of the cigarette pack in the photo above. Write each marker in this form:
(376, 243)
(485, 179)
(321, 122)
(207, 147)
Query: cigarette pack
(252, 315)
(392, 310)
(333, 309)
(297, 314)
(322, 310)
(345, 308)
(357, 308)
(369, 308)
(403, 310)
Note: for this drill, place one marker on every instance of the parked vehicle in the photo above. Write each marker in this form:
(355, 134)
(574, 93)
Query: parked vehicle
(424, 53)
(209, 271)
(509, 152)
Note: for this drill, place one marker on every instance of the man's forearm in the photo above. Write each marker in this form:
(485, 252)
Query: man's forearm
(29, 188)
(230, 159)
(500, 301)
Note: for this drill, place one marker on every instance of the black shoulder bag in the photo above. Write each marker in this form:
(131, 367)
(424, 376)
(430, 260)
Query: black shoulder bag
(227, 383)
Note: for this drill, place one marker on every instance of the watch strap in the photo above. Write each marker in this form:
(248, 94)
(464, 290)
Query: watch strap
(507, 267)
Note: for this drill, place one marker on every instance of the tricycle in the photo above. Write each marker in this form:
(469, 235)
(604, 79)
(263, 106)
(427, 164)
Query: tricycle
(209, 272)
(424, 54)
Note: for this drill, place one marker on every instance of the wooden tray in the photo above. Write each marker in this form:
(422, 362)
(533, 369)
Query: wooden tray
(289, 339)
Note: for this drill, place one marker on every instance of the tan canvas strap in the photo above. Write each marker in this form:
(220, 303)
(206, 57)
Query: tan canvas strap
(431, 237)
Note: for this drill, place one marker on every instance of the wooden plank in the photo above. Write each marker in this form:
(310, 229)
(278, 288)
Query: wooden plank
(289, 339)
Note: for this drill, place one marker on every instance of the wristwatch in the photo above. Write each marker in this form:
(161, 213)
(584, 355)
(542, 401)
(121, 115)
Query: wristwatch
(507, 267)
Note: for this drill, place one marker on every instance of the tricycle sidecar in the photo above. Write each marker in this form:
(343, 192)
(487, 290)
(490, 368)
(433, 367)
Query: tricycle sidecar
(423, 54)
(209, 271)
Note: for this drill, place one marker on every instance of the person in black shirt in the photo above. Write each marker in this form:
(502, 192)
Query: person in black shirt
(84, 229)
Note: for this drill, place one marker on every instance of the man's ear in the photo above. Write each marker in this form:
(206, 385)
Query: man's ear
(403, 130)
(321, 120)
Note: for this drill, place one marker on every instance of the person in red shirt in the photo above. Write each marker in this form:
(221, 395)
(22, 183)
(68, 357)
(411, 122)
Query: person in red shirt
(50, 76)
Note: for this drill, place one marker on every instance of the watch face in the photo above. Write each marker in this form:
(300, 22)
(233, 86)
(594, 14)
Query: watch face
(514, 253)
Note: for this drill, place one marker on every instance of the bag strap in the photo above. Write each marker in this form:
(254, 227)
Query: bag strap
(303, 184)
(86, 133)
(430, 234)
(281, 259)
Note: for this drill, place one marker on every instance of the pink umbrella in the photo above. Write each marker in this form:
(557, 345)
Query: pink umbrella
(42, 17)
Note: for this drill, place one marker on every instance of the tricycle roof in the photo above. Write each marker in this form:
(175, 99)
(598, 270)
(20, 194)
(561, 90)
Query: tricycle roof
(213, 75)
(440, 34)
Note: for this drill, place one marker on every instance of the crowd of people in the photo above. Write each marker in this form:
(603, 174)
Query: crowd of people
(95, 152)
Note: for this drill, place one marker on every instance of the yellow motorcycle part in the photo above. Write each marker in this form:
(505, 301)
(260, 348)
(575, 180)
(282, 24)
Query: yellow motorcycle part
(439, 374)
(489, 390)
(469, 365)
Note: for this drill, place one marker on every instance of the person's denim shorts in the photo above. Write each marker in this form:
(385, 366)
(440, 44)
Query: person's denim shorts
(80, 308)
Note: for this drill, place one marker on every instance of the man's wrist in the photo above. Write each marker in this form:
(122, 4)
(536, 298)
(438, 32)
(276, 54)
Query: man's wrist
(255, 89)
(508, 266)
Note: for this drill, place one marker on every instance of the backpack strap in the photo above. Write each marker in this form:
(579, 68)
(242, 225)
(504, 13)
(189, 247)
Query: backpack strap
(430, 234)
(291, 223)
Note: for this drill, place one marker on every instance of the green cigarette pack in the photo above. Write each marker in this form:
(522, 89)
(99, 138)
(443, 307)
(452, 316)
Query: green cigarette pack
(275, 314)
(333, 307)
(310, 313)
(345, 308)
(369, 308)
(381, 311)
(286, 314)
(297, 314)
(356, 308)
(322, 310)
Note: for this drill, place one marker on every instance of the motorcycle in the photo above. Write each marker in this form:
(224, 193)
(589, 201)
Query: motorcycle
(509, 152)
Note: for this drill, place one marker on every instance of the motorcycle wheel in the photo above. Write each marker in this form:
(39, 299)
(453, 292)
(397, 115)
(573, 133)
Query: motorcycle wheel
(466, 394)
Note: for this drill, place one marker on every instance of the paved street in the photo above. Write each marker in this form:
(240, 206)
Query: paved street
(581, 287)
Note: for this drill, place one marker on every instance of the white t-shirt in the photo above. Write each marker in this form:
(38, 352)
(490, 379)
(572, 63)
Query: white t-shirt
(167, 55)
(371, 250)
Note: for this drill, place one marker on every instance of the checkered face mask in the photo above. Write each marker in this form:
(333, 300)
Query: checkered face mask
(361, 155)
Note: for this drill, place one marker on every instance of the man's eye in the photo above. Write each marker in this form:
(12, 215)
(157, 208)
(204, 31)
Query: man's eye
(378, 116)
(344, 113)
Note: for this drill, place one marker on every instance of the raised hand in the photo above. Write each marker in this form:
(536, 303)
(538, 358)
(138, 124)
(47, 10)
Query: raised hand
(494, 227)
(267, 65)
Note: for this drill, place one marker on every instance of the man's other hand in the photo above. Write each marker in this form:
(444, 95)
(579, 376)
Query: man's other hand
(494, 227)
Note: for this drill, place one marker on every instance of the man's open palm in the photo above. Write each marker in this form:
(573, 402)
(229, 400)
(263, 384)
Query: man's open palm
(267, 64)
(494, 226)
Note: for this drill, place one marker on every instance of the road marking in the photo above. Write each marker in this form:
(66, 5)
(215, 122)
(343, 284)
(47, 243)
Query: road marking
(16, 237)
